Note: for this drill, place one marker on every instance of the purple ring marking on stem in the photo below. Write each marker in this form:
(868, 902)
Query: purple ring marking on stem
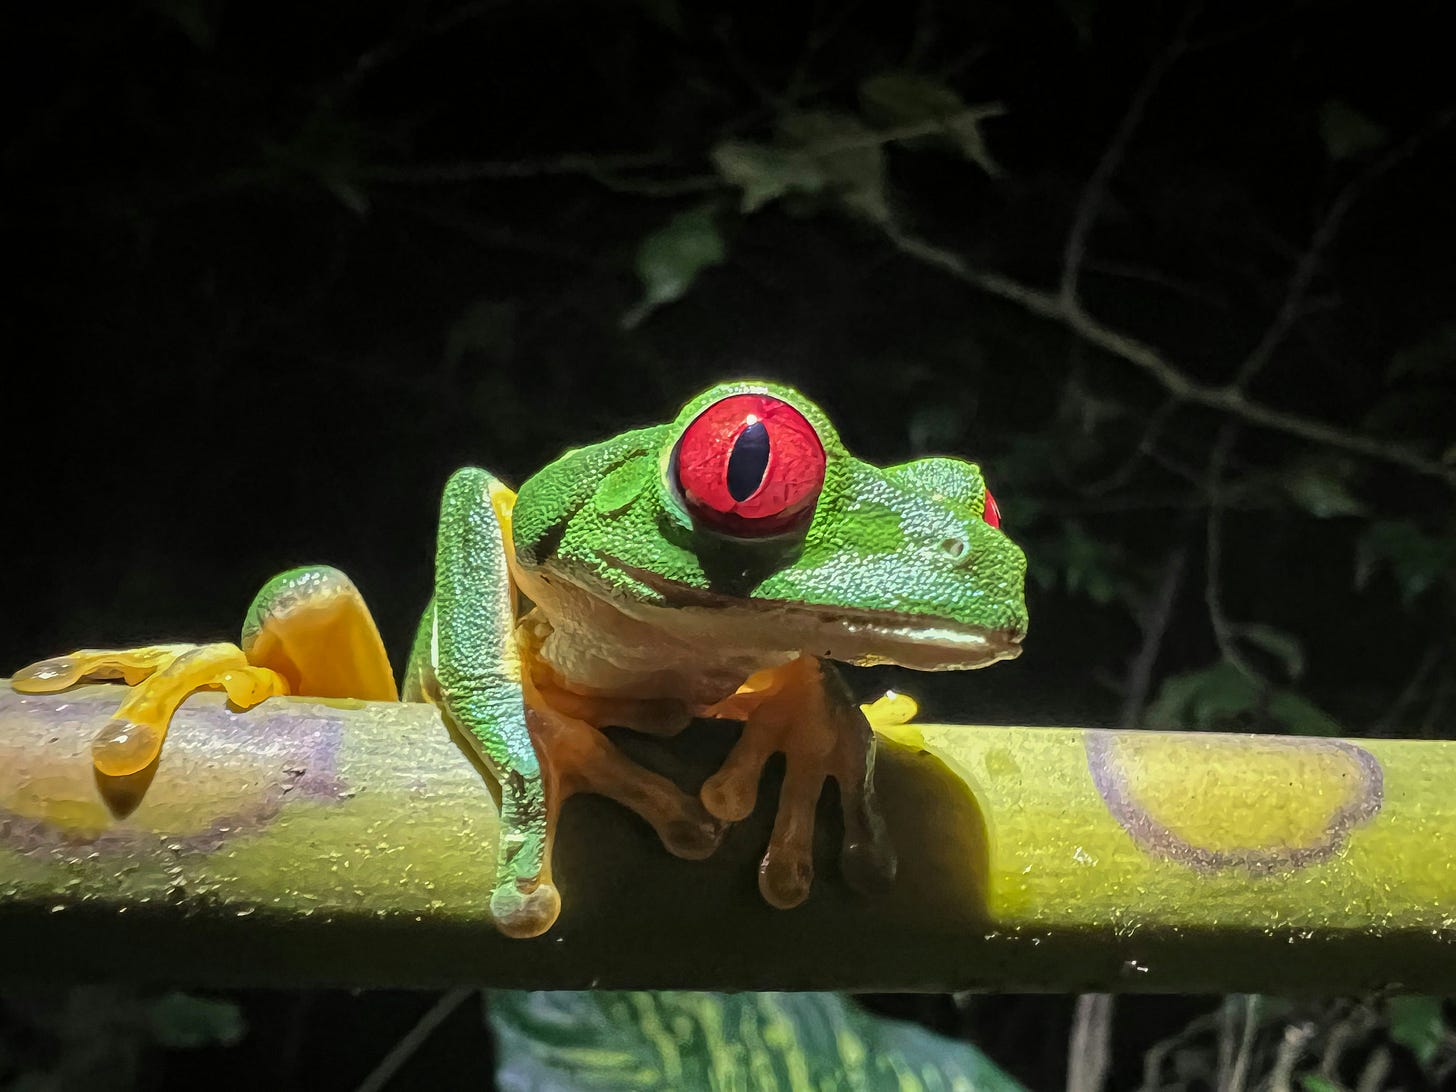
(289, 755)
(1160, 840)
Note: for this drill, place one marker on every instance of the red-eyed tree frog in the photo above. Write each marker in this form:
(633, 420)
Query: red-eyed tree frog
(709, 567)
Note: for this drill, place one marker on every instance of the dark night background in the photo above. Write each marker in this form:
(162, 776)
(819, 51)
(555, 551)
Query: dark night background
(277, 269)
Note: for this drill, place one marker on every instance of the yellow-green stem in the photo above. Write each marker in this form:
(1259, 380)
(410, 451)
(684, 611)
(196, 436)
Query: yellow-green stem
(315, 843)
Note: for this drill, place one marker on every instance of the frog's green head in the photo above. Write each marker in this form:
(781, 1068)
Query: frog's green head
(747, 512)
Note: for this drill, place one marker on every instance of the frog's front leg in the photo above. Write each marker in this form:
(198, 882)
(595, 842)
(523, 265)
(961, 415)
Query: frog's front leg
(804, 711)
(307, 632)
(469, 661)
(580, 759)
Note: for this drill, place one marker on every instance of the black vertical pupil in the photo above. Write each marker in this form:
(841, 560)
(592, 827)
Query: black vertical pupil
(747, 463)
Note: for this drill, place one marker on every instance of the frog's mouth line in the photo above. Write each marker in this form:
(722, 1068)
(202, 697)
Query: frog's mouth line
(852, 635)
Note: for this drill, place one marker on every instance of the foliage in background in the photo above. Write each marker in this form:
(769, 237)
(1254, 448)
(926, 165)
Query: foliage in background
(1177, 275)
(676, 1039)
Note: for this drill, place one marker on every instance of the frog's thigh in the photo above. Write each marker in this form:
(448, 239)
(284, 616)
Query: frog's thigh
(311, 626)
(582, 760)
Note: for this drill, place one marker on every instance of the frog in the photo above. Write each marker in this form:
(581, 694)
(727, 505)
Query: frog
(718, 566)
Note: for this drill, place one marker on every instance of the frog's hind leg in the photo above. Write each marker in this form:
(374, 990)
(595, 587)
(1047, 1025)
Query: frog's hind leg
(468, 660)
(161, 677)
(465, 660)
(308, 632)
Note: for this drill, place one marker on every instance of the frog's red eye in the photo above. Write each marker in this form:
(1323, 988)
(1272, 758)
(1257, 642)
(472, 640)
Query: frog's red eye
(992, 514)
(749, 464)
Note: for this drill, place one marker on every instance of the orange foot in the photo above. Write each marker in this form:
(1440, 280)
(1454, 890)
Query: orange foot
(803, 711)
(162, 676)
(578, 758)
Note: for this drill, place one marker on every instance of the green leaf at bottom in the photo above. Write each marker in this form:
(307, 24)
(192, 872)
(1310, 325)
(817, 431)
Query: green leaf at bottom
(711, 1041)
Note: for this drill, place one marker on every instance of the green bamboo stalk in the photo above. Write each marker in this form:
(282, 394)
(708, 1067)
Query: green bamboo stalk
(310, 842)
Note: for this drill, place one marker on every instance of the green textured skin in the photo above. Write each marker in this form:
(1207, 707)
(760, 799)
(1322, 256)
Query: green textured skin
(719, 1042)
(469, 671)
(284, 591)
(465, 648)
(908, 539)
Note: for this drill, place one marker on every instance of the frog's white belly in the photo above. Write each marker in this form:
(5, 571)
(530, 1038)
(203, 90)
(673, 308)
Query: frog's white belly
(695, 655)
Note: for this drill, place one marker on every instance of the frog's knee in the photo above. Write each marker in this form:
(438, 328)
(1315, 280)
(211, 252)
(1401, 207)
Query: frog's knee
(312, 627)
(294, 589)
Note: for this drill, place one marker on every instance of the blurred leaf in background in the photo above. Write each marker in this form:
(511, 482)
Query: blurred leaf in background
(681, 1040)
(670, 259)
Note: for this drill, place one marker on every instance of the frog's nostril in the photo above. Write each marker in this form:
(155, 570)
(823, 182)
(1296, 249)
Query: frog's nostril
(954, 548)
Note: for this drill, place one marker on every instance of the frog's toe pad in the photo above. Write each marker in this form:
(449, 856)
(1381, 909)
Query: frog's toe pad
(524, 914)
(44, 676)
(731, 793)
(123, 747)
(785, 877)
(695, 836)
